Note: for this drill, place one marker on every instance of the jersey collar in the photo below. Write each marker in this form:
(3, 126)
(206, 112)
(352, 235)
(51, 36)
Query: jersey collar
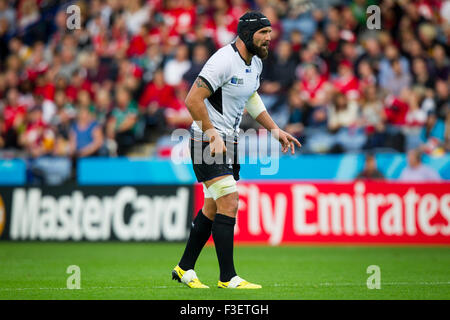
(233, 44)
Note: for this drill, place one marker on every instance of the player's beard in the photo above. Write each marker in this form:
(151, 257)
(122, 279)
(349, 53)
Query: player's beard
(261, 51)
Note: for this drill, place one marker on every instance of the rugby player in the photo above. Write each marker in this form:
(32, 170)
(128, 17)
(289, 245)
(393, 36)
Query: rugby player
(226, 86)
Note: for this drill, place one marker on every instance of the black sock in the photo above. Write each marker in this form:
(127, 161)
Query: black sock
(200, 233)
(223, 235)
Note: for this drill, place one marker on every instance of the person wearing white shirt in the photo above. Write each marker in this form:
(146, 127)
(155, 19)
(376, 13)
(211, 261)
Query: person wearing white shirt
(177, 67)
(416, 171)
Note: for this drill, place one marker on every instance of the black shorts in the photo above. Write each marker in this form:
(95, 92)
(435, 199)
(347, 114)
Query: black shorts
(207, 167)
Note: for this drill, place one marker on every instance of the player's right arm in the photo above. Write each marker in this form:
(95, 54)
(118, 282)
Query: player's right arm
(195, 102)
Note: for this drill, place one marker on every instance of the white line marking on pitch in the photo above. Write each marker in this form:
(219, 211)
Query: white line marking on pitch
(329, 284)
(87, 288)
(323, 284)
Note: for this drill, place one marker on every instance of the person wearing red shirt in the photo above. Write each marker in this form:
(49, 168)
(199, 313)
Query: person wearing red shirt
(179, 17)
(238, 8)
(45, 86)
(396, 110)
(38, 138)
(157, 97)
(138, 44)
(13, 112)
(157, 93)
(177, 115)
(313, 86)
(78, 83)
(14, 118)
(346, 82)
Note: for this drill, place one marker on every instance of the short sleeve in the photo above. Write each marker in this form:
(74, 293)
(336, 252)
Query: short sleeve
(216, 71)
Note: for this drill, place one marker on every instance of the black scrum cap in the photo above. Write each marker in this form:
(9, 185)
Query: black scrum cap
(248, 24)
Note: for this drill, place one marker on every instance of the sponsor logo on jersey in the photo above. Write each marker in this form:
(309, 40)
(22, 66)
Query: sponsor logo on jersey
(237, 81)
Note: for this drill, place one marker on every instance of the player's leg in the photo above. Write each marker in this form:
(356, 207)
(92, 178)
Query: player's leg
(224, 190)
(209, 207)
(199, 235)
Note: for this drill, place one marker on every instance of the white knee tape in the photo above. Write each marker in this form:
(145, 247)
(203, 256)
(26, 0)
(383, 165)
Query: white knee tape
(206, 192)
(222, 187)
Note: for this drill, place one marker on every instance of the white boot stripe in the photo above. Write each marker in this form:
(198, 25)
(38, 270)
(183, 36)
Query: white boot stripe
(188, 276)
(235, 281)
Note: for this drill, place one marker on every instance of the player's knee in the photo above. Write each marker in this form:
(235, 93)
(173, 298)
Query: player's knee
(228, 204)
(224, 192)
(209, 208)
(210, 214)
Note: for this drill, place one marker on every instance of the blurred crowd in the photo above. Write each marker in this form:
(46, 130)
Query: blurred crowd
(120, 80)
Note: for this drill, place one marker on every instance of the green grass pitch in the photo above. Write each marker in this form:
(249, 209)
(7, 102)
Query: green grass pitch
(143, 271)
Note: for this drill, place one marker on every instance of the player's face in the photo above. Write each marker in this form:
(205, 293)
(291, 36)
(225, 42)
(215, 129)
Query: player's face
(261, 40)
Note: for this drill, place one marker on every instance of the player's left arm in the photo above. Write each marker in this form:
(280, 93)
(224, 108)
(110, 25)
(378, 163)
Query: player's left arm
(257, 110)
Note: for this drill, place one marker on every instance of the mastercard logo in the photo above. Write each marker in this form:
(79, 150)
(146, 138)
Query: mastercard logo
(2, 215)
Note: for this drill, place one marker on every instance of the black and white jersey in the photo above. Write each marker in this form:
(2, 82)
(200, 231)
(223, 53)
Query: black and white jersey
(232, 82)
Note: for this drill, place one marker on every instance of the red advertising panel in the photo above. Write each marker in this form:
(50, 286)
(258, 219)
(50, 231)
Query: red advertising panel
(359, 212)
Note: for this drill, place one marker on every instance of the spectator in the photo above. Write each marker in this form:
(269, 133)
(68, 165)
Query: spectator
(371, 118)
(7, 13)
(398, 79)
(366, 75)
(62, 124)
(4, 50)
(440, 63)
(223, 33)
(38, 138)
(343, 113)
(432, 135)
(421, 76)
(313, 86)
(2, 132)
(372, 54)
(416, 171)
(86, 136)
(177, 115)
(442, 99)
(447, 134)
(136, 15)
(415, 118)
(175, 68)
(28, 14)
(157, 97)
(121, 126)
(296, 121)
(346, 82)
(279, 70)
(391, 60)
(199, 57)
(69, 65)
(14, 117)
(343, 122)
(279, 75)
(103, 106)
(370, 171)
(151, 61)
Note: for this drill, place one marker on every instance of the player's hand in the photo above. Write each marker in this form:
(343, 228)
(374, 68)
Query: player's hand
(217, 145)
(287, 142)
